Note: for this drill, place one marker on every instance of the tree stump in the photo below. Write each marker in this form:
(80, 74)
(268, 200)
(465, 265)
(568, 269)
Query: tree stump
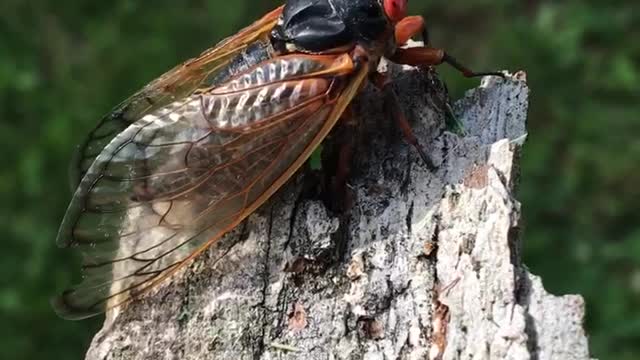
(424, 265)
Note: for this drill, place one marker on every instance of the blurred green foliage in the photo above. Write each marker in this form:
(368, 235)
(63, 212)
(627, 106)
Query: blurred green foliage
(63, 64)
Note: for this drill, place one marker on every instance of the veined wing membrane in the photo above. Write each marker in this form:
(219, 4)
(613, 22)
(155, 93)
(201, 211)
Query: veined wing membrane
(179, 178)
(177, 83)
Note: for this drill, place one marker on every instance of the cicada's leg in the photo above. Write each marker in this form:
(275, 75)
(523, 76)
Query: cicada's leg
(341, 198)
(410, 27)
(418, 56)
(392, 104)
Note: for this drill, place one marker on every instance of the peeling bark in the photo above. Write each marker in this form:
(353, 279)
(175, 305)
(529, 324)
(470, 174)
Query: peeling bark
(424, 265)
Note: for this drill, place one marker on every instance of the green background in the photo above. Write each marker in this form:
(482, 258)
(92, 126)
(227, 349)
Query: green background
(65, 63)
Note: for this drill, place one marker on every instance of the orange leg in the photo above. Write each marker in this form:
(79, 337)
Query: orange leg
(410, 27)
(392, 103)
(426, 56)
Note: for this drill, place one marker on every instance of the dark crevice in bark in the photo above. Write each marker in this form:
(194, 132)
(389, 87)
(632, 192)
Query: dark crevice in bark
(409, 219)
(523, 296)
(265, 316)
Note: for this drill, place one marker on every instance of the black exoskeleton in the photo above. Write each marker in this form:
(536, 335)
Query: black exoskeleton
(317, 26)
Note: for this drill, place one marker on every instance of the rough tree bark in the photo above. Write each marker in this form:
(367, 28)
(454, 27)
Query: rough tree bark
(425, 265)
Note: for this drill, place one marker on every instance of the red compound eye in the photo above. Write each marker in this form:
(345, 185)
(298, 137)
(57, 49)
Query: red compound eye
(396, 10)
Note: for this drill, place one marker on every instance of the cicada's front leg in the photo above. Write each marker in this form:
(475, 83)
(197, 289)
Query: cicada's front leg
(426, 56)
(339, 198)
(410, 27)
(392, 104)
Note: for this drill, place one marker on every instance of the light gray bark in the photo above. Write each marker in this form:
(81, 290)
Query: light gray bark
(425, 265)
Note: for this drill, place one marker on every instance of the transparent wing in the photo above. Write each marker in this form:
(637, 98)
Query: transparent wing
(177, 83)
(181, 177)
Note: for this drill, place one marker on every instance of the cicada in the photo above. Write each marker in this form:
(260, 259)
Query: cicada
(188, 157)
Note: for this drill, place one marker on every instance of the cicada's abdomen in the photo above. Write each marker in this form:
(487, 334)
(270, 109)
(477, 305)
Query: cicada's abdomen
(251, 56)
(268, 89)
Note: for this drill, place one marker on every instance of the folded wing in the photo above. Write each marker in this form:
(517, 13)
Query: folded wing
(182, 176)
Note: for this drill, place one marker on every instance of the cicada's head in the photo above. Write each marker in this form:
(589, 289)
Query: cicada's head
(324, 26)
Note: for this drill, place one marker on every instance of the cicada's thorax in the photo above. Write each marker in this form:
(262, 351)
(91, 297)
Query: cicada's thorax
(330, 26)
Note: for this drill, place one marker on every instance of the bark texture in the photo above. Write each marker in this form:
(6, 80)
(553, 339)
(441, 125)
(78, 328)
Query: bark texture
(425, 264)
